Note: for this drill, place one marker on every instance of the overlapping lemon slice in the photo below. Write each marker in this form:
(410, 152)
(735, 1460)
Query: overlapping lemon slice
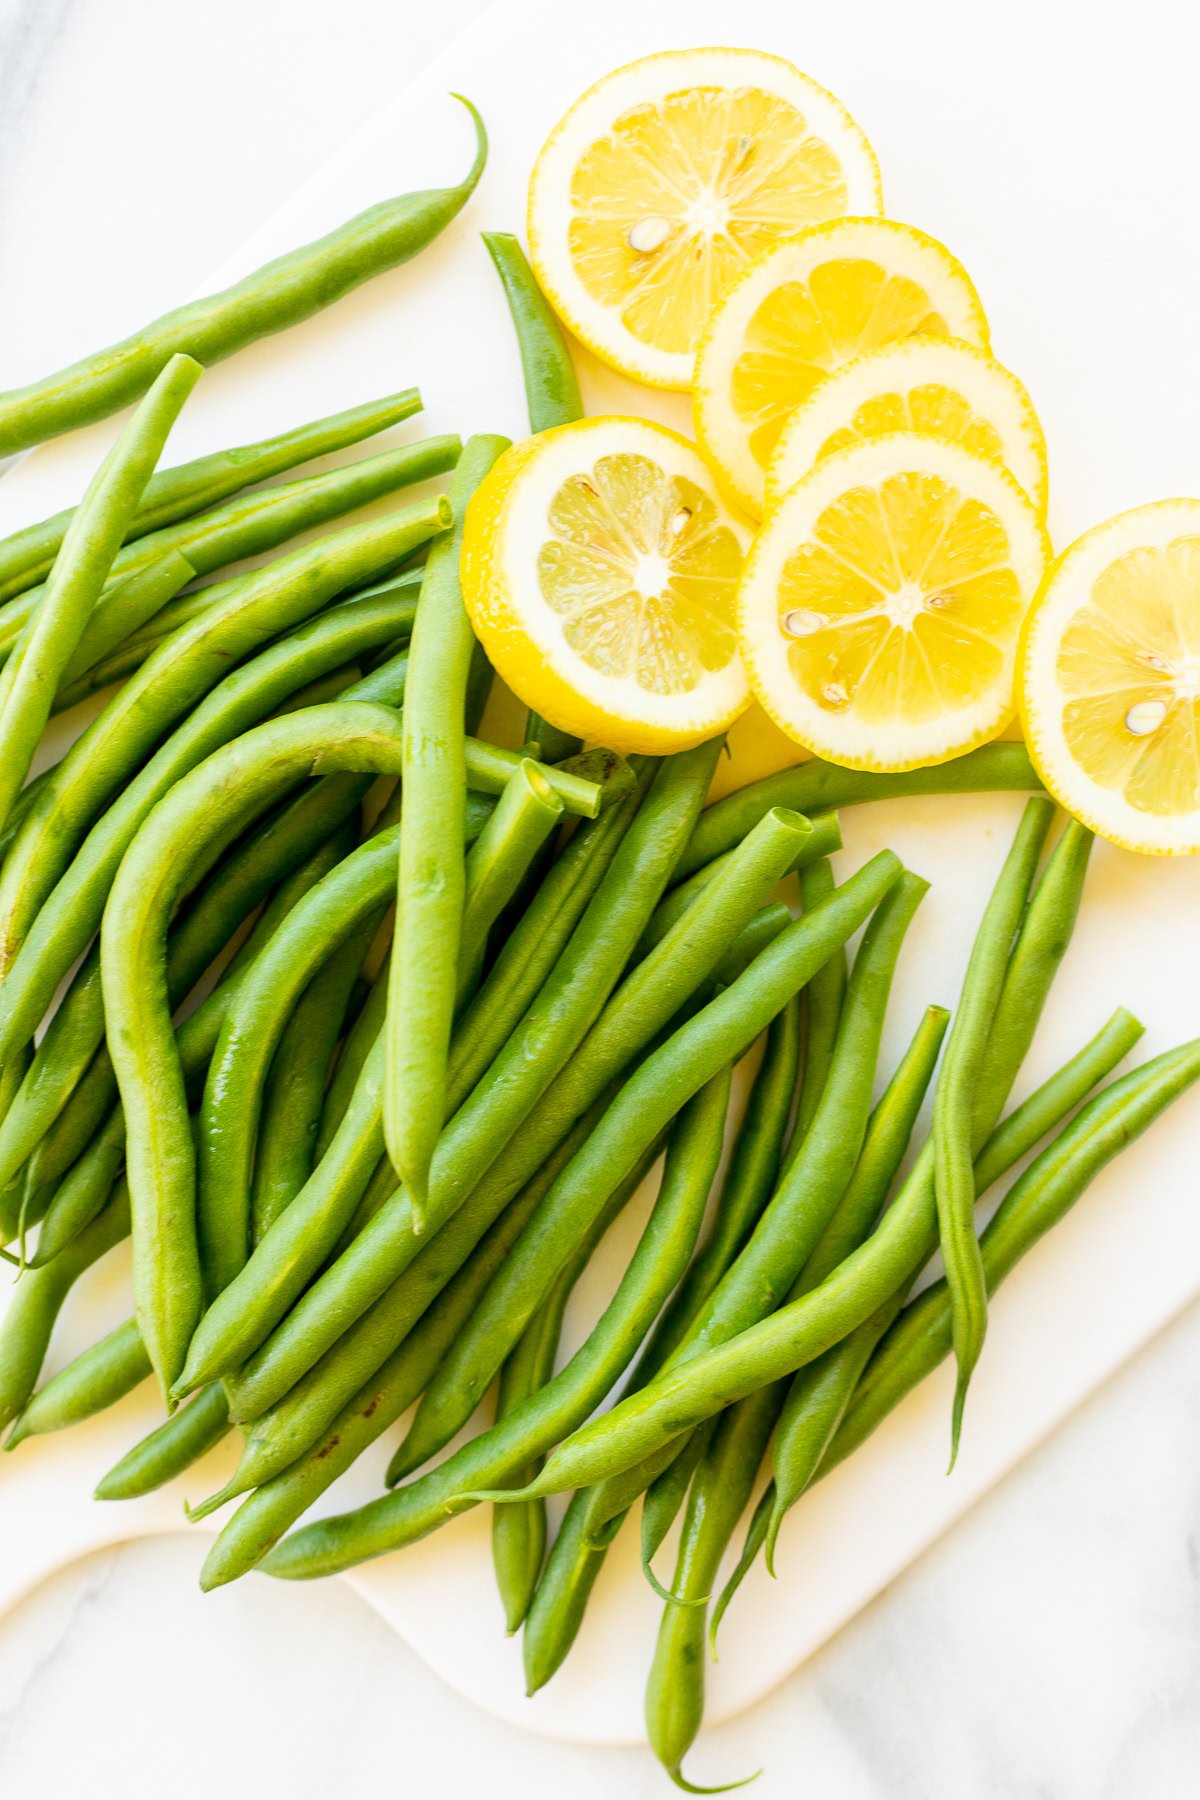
(600, 570)
(1109, 684)
(805, 308)
(666, 179)
(881, 605)
(932, 384)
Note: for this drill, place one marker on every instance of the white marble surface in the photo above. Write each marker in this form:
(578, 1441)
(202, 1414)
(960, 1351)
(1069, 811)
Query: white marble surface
(1049, 1646)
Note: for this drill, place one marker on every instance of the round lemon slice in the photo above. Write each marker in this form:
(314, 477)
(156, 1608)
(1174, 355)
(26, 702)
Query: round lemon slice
(1109, 685)
(600, 570)
(805, 308)
(881, 605)
(666, 179)
(934, 384)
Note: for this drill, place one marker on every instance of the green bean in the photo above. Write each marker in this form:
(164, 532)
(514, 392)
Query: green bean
(642, 1005)
(245, 527)
(656, 1265)
(280, 294)
(97, 1379)
(187, 829)
(824, 838)
(812, 786)
(560, 1599)
(966, 1053)
(431, 888)
(249, 610)
(527, 812)
(719, 1492)
(552, 398)
(12, 1074)
(193, 944)
(553, 1026)
(38, 1299)
(351, 1060)
(295, 1092)
(813, 1183)
(823, 998)
(49, 639)
(193, 487)
(717, 1034)
(642, 1424)
(922, 1335)
(661, 1503)
(169, 1449)
(274, 1505)
(125, 605)
(70, 915)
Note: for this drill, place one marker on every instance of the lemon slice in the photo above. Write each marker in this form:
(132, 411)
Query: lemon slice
(934, 384)
(881, 605)
(600, 570)
(805, 308)
(1109, 686)
(666, 179)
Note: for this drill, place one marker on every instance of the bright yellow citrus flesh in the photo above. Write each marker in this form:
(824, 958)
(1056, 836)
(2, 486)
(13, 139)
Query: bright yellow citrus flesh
(666, 179)
(1110, 679)
(806, 308)
(880, 608)
(600, 571)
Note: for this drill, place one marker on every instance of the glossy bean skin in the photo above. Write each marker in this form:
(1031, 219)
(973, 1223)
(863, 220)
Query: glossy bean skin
(823, 999)
(716, 1035)
(814, 786)
(953, 1107)
(498, 863)
(98, 1378)
(48, 640)
(567, 1004)
(27, 556)
(281, 293)
(126, 604)
(169, 1449)
(823, 839)
(552, 398)
(242, 617)
(71, 913)
(184, 833)
(812, 1183)
(644, 1423)
(431, 887)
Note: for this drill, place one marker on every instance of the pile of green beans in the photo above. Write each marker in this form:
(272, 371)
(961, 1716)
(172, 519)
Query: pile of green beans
(365, 1029)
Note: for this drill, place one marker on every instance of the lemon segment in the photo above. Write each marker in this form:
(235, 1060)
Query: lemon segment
(880, 608)
(600, 571)
(666, 179)
(932, 384)
(807, 307)
(1110, 679)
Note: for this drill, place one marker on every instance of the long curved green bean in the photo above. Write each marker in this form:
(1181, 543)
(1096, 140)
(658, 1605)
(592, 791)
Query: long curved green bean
(561, 1596)
(966, 1053)
(48, 640)
(38, 1298)
(717, 1034)
(169, 1449)
(552, 398)
(811, 787)
(98, 1378)
(823, 999)
(71, 913)
(824, 838)
(553, 1026)
(641, 1425)
(125, 605)
(245, 613)
(27, 557)
(423, 983)
(187, 829)
(812, 1183)
(280, 294)
(526, 813)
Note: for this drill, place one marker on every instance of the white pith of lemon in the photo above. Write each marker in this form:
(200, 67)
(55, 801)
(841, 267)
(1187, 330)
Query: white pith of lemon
(808, 306)
(881, 605)
(934, 384)
(600, 569)
(1109, 686)
(666, 179)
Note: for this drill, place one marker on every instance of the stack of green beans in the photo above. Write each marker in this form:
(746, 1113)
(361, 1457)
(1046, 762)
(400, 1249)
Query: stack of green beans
(366, 1030)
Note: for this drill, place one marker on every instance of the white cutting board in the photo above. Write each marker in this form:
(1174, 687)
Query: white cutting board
(1066, 302)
